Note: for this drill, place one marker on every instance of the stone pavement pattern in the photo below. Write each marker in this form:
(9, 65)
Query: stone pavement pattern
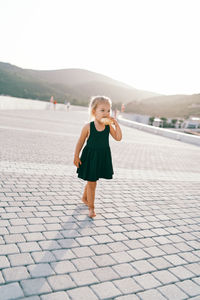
(144, 242)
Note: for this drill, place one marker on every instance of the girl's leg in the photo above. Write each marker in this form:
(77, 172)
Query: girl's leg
(91, 187)
(84, 198)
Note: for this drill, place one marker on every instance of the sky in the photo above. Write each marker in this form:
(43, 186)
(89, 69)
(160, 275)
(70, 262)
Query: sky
(151, 45)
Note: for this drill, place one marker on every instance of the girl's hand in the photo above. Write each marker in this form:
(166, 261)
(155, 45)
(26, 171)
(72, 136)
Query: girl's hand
(114, 121)
(77, 161)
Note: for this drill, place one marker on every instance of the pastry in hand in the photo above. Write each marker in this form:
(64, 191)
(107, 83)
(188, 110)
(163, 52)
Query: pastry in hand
(106, 121)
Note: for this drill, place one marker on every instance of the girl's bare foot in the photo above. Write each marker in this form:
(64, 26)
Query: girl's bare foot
(84, 200)
(92, 213)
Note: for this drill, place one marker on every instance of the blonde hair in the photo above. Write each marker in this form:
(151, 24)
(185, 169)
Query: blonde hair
(95, 101)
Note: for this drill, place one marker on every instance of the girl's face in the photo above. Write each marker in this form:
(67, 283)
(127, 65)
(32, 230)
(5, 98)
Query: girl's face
(102, 111)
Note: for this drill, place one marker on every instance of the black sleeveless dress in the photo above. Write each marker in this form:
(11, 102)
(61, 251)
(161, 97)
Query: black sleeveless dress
(96, 156)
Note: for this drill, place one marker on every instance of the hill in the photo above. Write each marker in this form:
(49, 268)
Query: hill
(78, 85)
(75, 85)
(172, 106)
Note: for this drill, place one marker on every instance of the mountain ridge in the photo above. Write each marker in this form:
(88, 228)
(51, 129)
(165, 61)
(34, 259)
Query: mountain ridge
(78, 85)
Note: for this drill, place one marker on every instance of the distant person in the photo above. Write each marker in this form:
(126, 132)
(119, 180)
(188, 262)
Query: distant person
(123, 108)
(95, 161)
(68, 106)
(51, 101)
(54, 102)
(116, 112)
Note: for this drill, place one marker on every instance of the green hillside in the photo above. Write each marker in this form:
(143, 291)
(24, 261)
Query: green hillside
(167, 106)
(78, 85)
(75, 85)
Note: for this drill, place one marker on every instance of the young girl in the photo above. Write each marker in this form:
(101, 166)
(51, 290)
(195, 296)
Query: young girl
(95, 161)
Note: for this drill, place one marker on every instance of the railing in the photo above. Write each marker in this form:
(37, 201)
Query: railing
(183, 137)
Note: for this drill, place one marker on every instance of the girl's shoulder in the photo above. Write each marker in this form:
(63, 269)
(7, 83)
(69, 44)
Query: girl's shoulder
(87, 126)
(86, 129)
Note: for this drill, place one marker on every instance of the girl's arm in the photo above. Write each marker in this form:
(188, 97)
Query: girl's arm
(115, 132)
(79, 145)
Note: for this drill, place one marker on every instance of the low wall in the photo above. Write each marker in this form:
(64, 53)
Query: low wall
(183, 137)
(7, 103)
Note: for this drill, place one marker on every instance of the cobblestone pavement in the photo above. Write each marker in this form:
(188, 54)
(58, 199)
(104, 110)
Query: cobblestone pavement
(144, 242)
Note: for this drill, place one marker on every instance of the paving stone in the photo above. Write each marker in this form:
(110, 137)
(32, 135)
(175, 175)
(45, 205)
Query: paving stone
(55, 296)
(52, 235)
(39, 270)
(82, 293)
(101, 249)
(165, 276)
(154, 251)
(197, 280)
(143, 266)
(194, 268)
(160, 263)
(72, 234)
(49, 245)
(196, 252)
(4, 223)
(151, 295)
(103, 260)
(35, 228)
(63, 254)
(102, 239)
(14, 238)
(105, 274)
(66, 243)
(8, 249)
(181, 272)
(128, 297)
(147, 281)
(29, 247)
(34, 236)
(118, 237)
(83, 264)
(10, 291)
(15, 274)
(35, 286)
(86, 241)
(171, 291)
(175, 259)
(121, 257)
(169, 249)
(53, 226)
(125, 270)
(63, 267)
(83, 252)
(117, 246)
(148, 242)
(17, 229)
(189, 257)
(60, 282)
(105, 290)
(127, 285)
(189, 287)
(87, 232)
(133, 244)
(162, 240)
(147, 233)
(1, 278)
(132, 235)
(4, 262)
(84, 278)
(20, 259)
(138, 254)
(43, 256)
